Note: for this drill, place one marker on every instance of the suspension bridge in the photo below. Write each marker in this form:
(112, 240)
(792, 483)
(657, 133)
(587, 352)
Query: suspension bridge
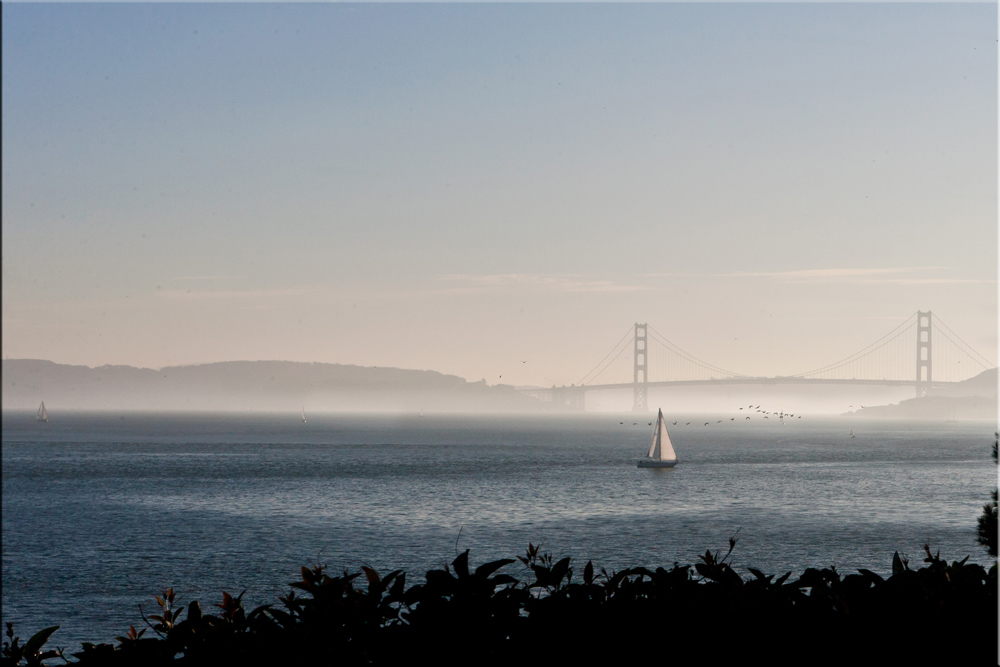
(922, 352)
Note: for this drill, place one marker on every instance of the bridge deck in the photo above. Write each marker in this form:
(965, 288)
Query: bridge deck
(754, 380)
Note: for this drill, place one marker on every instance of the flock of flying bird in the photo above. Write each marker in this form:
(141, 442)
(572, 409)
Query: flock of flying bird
(781, 415)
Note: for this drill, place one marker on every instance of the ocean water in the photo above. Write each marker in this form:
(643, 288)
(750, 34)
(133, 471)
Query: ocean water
(101, 512)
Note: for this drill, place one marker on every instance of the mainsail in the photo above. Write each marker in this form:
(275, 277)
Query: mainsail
(43, 414)
(661, 449)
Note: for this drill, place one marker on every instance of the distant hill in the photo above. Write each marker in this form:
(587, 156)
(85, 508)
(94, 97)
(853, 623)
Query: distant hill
(249, 385)
(983, 385)
(975, 398)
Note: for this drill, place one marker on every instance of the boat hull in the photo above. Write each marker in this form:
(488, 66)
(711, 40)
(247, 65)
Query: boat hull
(649, 463)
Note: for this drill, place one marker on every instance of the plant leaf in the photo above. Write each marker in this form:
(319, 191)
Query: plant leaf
(486, 569)
(461, 564)
(38, 640)
(372, 575)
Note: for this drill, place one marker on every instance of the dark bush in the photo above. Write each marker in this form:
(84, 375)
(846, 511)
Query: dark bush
(987, 528)
(939, 613)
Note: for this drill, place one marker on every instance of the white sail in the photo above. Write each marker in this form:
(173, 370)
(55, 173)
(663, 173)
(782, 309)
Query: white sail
(303, 414)
(661, 448)
(667, 452)
(43, 414)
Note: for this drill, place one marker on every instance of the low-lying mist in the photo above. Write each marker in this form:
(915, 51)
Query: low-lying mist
(291, 387)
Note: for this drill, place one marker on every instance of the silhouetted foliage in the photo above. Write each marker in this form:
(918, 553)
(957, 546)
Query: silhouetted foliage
(987, 528)
(30, 653)
(941, 612)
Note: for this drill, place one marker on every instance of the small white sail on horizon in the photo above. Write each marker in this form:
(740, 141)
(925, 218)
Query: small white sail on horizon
(303, 414)
(42, 415)
(852, 431)
(661, 450)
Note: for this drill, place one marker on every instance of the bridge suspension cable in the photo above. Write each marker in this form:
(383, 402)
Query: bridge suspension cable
(894, 355)
(870, 349)
(900, 355)
(613, 355)
(662, 340)
(964, 347)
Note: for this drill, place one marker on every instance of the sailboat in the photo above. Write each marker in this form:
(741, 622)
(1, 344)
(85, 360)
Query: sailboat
(661, 452)
(303, 414)
(852, 432)
(43, 414)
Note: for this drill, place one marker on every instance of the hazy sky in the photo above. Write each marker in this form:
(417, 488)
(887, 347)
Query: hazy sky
(463, 187)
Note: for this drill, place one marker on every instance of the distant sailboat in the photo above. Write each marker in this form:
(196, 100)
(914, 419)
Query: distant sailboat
(852, 432)
(43, 414)
(303, 414)
(661, 452)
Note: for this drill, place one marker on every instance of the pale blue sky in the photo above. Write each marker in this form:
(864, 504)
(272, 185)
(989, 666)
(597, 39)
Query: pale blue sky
(462, 187)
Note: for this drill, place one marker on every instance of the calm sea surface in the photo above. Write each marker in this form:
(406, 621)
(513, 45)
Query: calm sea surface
(101, 512)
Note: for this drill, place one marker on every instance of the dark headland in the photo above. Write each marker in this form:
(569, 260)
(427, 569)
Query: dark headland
(975, 398)
(250, 385)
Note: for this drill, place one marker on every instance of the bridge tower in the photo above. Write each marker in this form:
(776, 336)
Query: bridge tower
(923, 353)
(640, 367)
